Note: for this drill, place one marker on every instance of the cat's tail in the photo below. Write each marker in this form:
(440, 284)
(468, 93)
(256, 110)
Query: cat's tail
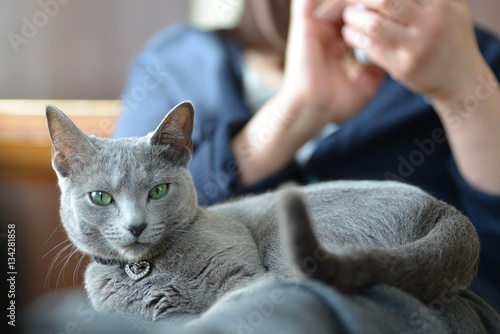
(301, 246)
(442, 261)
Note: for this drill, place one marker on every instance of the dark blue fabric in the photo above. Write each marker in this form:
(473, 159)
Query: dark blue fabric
(397, 136)
(292, 308)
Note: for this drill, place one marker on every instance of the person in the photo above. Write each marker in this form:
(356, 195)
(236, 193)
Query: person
(281, 97)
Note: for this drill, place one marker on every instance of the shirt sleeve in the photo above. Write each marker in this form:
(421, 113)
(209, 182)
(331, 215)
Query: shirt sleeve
(215, 169)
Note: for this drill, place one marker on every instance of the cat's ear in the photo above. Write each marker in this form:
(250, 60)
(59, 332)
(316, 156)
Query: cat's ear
(176, 128)
(69, 142)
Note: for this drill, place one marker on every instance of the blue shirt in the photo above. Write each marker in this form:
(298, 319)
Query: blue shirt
(397, 136)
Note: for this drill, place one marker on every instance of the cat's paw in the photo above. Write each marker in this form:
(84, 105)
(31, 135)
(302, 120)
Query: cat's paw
(160, 304)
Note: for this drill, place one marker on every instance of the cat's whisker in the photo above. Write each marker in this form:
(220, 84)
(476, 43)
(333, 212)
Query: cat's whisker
(52, 264)
(77, 268)
(66, 260)
(55, 247)
(70, 245)
(52, 234)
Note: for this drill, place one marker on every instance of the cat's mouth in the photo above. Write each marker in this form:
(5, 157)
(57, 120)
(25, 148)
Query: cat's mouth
(135, 251)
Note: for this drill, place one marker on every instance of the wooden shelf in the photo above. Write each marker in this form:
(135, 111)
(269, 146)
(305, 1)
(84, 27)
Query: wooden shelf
(25, 147)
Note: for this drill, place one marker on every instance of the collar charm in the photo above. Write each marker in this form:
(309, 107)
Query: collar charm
(137, 270)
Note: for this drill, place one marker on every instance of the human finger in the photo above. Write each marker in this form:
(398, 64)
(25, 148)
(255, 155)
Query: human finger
(402, 11)
(330, 10)
(381, 53)
(375, 25)
(303, 8)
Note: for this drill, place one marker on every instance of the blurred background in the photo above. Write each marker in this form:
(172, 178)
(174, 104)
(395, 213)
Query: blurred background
(76, 54)
(84, 48)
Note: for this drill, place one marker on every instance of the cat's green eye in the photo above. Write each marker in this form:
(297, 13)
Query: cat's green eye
(101, 197)
(158, 191)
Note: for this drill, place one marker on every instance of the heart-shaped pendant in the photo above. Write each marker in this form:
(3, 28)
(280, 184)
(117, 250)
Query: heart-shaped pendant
(137, 270)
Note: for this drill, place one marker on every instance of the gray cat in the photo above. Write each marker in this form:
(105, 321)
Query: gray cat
(130, 203)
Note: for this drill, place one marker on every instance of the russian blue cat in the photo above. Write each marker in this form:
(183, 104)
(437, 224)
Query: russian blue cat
(130, 203)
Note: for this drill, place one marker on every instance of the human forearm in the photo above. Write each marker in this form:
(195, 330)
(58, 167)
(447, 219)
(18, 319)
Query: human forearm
(471, 119)
(268, 142)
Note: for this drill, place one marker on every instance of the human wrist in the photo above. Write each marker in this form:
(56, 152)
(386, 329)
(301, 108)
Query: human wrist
(273, 131)
(268, 142)
(471, 121)
(471, 84)
(475, 92)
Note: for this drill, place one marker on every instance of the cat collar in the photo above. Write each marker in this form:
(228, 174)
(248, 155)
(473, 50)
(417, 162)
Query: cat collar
(135, 270)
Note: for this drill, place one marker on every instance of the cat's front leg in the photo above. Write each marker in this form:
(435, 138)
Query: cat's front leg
(167, 302)
(110, 290)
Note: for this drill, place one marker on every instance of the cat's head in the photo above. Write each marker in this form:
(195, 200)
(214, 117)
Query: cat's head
(122, 198)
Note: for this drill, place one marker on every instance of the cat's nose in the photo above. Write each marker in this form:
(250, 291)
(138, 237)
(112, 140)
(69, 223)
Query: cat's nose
(137, 230)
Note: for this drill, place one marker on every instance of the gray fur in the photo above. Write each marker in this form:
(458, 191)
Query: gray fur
(347, 233)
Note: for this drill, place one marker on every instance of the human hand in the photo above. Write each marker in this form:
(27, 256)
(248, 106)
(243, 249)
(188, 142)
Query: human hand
(427, 45)
(315, 74)
(316, 90)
